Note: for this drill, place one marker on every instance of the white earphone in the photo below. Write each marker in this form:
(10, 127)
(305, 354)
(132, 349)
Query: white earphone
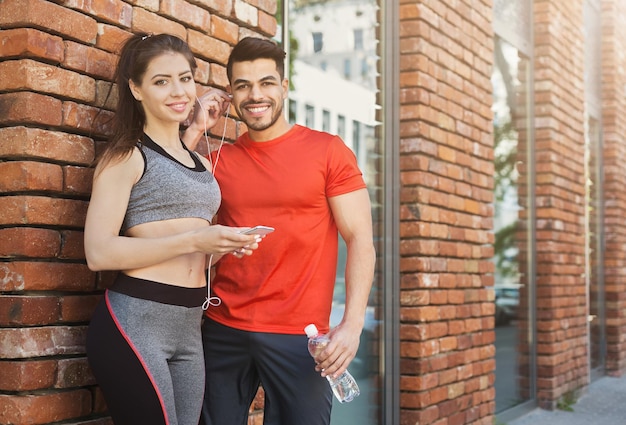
(206, 138)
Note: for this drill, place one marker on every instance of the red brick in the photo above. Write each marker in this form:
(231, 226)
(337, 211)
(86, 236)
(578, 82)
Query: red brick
(208, 48)
(99, 405)
(438, 297)
(77, 180)
(218, 77)
(188, 14)
(449, 343)
(246, 13)
(202, 74)
(21, 142)
(30, 176)
(28, 74)
(80, 116)
(29, 108)
(29, 242)
(111, 38)
(415, 298)
(222, 8)
(30, 43)
(44, 408)
(72, 246)
(74, 373)
(145, 21)
(267, 23)
(224, 30)
(114, 11)
(438, 395)
(105, 279)
(426, 382)
(40, 210)
(38, 13)
(152, 5)
(449, 408)
(27, 375)
(90, 60)
(106, 99)
(43, 341)
(28, 310)
(42, 276)
(78, 308)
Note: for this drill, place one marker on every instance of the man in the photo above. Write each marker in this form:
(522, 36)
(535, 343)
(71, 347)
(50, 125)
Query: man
(307, 185)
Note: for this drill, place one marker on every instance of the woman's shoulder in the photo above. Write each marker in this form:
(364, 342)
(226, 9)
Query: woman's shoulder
(131, 165)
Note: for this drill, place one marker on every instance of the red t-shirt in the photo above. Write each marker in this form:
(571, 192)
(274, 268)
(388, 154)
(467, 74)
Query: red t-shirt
(285, 183)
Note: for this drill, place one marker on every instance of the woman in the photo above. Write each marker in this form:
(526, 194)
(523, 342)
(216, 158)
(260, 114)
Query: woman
(149, 217)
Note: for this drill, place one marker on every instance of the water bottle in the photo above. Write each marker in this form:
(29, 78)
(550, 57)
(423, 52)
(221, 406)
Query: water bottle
(344, 386)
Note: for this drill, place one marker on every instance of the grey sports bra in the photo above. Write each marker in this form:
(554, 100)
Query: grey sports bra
(168, 189)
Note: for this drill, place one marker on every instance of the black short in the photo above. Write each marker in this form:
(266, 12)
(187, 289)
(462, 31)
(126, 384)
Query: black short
(238, 361)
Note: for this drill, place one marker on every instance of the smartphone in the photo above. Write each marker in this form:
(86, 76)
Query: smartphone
(258, 230)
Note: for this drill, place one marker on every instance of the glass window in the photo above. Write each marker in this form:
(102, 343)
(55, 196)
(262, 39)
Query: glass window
(593, 253)
(510, 81)
(356, 137)
(347, 68)
(293, 111)
(318, 42)
(358, 39)
(326, 120)
(594, 257)
(341, 126)
(310, 116)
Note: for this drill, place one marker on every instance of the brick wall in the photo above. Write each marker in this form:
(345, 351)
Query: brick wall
(57, 60)
(446, 172)
(560, 194)
(614, 129)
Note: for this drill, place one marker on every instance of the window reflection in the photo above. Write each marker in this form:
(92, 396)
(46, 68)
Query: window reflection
(510, 92)
(341, 126)
(594, 272)
(318, 42)
(358, 39)
(325, 120)
(593, 253)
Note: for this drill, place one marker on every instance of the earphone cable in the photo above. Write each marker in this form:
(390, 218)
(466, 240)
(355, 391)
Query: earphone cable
(210, 301)
(207, 141)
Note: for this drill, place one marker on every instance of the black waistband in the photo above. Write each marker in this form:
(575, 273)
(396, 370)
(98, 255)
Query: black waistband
(158, 292)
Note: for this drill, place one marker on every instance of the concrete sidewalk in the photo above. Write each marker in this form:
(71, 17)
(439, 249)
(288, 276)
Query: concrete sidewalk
(604, 403)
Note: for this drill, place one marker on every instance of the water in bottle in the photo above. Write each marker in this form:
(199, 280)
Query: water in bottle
(344, 386)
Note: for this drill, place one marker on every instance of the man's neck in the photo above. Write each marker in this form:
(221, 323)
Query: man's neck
(272, 133)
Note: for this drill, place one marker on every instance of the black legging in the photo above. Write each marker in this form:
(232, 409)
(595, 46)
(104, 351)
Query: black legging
(145, 351)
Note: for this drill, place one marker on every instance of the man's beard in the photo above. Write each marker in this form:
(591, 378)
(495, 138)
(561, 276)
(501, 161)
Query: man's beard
(257, 125)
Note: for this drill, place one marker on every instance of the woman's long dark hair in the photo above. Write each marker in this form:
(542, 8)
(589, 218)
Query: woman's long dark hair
(129, 119)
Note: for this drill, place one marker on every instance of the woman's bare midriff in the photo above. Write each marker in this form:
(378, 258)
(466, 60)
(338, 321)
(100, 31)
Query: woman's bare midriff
(185, 270)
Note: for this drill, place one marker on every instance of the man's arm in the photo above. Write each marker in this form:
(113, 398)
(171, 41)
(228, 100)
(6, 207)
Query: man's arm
(352, 213)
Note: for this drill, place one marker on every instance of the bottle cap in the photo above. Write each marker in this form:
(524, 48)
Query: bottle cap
(310, 330)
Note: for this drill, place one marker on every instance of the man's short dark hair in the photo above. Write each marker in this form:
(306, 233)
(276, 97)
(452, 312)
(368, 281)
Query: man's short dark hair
(252, 48)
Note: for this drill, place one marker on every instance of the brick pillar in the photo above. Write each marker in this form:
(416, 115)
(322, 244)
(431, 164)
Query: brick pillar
(447, 338)
(560, 193)
(614, 138)
(58, 59)
(47, 290)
